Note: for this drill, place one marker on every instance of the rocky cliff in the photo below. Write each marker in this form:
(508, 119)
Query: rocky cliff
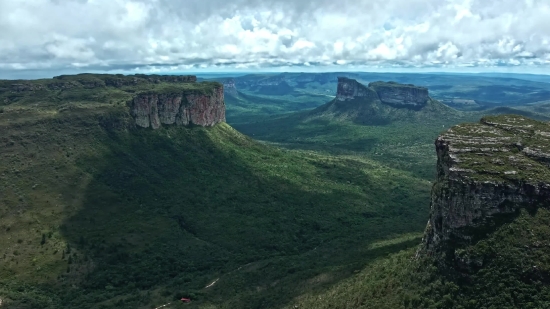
(349, 89)
(389, 93)
(153, 100)
(401, 95)
(204, 107)
(382, 103)
(486, 173)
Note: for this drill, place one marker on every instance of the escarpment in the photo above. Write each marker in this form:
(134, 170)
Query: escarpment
(401, 95)
(349, 89)
(180, 107)
(486, 173)
(381, 103)
(151, 100)
(389, 93)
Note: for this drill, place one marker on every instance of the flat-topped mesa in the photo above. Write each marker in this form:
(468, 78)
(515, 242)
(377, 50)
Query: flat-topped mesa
(486, 172)
(349, 89)
(229, 87)
(193, 104)
(389, 93)
(401, 95)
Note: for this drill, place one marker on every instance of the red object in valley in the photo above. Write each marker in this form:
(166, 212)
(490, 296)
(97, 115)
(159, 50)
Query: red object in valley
(185, 300)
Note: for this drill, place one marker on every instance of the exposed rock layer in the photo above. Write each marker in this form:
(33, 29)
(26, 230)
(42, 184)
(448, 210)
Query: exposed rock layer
(183, 108)
(400, 94)
(390, 93)
(349, 89)
(154, 100)
(486, 171)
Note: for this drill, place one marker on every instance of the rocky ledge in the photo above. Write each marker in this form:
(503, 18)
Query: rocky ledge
(486, 172)
(389, 93)
(192, 104)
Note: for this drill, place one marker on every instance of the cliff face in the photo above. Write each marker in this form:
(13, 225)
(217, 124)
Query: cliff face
(486, 172)
(180, 108)
(393, 94)
(401, 95)
(154, 100)
(349, 89)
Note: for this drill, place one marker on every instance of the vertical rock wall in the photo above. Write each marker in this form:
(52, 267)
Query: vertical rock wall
(188, 107)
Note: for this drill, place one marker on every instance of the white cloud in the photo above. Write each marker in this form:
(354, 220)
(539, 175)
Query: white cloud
(186, 34)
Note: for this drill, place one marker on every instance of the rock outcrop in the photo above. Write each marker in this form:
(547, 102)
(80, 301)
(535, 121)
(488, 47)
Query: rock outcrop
(229, 87)
(179, 107)
(486, 173)
(401, 95)
(349, 89)
(393, 103)
(390, 93)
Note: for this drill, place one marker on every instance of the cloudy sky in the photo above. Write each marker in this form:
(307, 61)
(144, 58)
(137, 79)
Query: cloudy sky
(51, 36)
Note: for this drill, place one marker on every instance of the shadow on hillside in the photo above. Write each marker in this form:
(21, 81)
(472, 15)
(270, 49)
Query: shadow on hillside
(315, 134)
(170, 211)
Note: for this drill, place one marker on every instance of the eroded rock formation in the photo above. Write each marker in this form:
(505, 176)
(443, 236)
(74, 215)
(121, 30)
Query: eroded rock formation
(486, 172)
(153, 109)
(401, 95)
(349, 89)
(390, 93)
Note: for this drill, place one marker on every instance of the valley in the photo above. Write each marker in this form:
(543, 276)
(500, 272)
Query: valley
(100, 213)
(133, 192)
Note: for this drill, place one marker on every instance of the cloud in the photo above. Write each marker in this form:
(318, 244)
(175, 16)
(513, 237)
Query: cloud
(145, 35)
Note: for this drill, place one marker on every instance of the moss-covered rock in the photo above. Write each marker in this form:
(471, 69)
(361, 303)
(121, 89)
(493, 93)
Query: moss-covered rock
(487, 172)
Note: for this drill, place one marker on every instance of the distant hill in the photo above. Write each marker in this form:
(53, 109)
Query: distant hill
(381, 103)
(521, 110)
(460, 91)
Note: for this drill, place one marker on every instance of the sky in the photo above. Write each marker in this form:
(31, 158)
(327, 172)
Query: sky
(49, 37)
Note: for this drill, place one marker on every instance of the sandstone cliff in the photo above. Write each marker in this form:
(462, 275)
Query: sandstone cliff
(349, 89)
(153, 100)
(390, 93)
(486, 173)
(180, 106)
(401, 95)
